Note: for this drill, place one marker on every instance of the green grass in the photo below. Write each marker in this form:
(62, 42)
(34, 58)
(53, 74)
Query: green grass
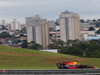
(37, 59)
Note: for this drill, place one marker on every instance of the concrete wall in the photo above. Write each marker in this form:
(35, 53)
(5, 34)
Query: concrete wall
(52, 72)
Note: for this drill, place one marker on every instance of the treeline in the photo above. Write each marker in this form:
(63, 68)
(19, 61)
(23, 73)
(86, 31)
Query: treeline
(31, 45)
(78, 48)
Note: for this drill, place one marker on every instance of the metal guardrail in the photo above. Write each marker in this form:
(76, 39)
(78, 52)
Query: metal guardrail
(54, 72)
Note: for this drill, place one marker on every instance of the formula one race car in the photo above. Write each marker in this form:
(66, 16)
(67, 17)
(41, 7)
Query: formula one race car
(72, 65)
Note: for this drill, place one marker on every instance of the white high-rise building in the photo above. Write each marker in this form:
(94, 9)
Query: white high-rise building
(38, 30)
(69, 26)
(15, 25)
(52, 24)
(3, 22)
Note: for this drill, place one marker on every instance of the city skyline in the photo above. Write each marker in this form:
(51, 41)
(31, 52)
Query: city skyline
(49, 9)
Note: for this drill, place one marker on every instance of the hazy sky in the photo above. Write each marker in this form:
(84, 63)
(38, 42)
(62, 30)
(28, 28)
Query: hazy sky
(49, 9)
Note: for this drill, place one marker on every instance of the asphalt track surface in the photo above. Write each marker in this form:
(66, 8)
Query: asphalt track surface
(52, 72)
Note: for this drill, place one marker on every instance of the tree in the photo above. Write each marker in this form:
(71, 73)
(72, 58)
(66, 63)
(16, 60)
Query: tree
(1, 42)
(53, 46)
(94, 20)
(24, 44)
(60, 42)
(82, 21)
(78, 48)
(5, 35)
(16, 41)
(91, 29)
(56, 45)
(87, 21)
(98, 32)
(34, 45)
(97, 24)
(69, 43)
(98, 20)
(75, 42)
(22, 35)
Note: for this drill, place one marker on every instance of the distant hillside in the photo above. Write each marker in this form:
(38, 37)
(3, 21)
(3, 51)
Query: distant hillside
(19, 58)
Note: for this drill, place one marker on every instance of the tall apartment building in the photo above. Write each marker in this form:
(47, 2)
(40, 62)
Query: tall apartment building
(15, 25)
(69, 26)
(38, 30)
(3, 22)
(52, 24)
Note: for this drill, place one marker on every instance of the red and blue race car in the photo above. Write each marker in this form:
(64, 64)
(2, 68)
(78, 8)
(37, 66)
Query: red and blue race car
(73, 65)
